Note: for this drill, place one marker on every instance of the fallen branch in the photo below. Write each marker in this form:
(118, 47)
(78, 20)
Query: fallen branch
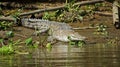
(82, 28)
(17, 5)
(104, 13)
(60, 7)
(7, 19)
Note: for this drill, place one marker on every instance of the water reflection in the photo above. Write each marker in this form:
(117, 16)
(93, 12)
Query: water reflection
(63, 55)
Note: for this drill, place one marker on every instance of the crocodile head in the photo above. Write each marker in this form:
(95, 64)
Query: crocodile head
(76, 37)
(61, 32)
(62, 35)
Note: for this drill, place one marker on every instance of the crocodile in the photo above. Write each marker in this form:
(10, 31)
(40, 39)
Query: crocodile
(58, 30)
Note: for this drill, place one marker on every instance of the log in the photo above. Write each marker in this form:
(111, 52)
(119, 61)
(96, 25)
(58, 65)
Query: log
(41, 10)
(7, 19)
(17, 5)
(60, 7)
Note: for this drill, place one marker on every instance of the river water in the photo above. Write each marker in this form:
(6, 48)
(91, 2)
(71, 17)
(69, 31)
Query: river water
(63, 55)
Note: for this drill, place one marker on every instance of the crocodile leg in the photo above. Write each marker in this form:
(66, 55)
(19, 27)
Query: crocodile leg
(116, 18)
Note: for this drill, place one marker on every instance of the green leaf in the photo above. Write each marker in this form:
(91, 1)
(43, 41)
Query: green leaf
(80, 18)
(1, 40)
(36, 44)
(81, 43)
(6, 50)
(28, 41)
(49, 47)
(72, 43)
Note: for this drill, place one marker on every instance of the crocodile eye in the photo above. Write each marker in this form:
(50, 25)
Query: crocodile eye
(41, 25)
(73, 35)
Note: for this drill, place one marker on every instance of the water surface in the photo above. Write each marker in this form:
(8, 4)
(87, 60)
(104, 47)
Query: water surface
(63, 55)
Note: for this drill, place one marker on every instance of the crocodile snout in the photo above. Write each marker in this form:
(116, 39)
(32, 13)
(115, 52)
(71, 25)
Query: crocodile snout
(77, 37)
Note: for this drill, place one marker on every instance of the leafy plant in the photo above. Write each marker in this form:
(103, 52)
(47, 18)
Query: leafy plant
(17, 13)
(49, 46)
(72, 13)
(6, 50)
(97, 5)
(10, 34)
(69, 14)
(114, 41)
(101, 29)
(78, 43)
(29, 41)
(81, 43)
(6, 25)
(36, 44)
(9, 48)
(49, 16)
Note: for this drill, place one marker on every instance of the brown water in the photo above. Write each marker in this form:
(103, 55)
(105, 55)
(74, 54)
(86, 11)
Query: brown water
(66, 56)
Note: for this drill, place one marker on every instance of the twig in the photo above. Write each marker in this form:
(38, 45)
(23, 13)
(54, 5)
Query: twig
(21, 35)
(103, 13)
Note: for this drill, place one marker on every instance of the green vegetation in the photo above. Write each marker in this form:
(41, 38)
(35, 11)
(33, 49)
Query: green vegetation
(9, 46)
(16, 14)
(49, 47)
(101, 29)
(10, 34)
(13, 46)
(6, 50)
(72, 13)
(28, 41)
(79, 43)
(113, 41)
(4, 25)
